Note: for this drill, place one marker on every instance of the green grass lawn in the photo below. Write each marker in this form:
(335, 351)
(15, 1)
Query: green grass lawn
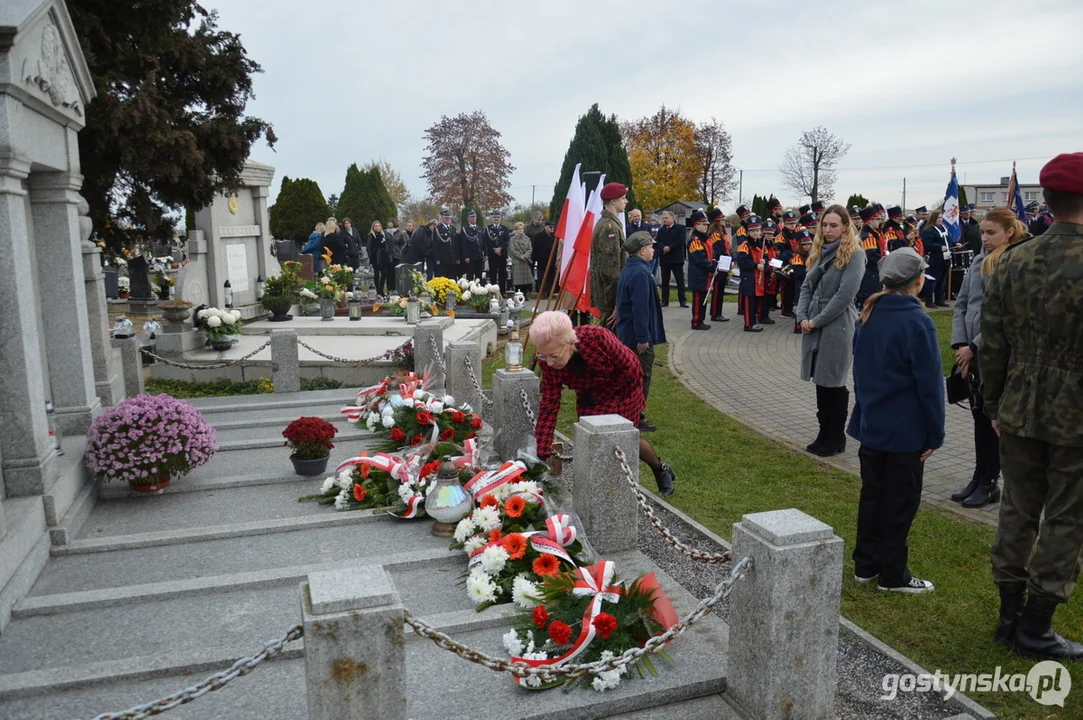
(943, 318)
(726, 470)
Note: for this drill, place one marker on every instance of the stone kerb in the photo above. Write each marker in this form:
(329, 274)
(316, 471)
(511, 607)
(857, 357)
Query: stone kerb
(512, 426)
(285, 366)
(457, 376)
(426, 334)
(355, 645)
(600, 493)
(784, 616)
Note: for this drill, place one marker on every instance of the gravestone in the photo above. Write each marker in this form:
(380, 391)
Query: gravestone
(286, 251)
(112, 286)
(139, 276)
(307, 271)
(404, 279)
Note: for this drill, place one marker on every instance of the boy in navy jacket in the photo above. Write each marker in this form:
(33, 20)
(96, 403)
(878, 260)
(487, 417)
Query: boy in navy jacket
(639, 314)
(898, 418)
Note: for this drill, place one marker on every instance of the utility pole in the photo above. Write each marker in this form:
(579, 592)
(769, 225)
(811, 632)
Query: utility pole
(904, 195)
(741, 188)
(532, 195)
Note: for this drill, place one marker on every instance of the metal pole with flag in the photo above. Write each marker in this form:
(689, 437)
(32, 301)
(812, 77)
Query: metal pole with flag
(951, 207)
(1015, 197)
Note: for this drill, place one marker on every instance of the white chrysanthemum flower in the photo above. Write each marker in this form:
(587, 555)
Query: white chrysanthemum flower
(308, 294)
(464, 530)
(202, 314)
(503, 492)
(467, 295)
(228, 319)
(610, 678)
(481, 291)
(525, 486)
(493, 559)
(535, 656)
(492, 288)
(405, 493)
(474, 543)
(328, 483)
(340, 501)
(530, 641)
(480, 588)
(525, 593)
(345, 479)
(512, 643)
(214, 321)
(487, 518)
(387, 421)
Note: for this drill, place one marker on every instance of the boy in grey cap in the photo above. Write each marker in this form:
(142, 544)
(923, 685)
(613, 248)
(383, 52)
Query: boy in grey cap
(638, 310)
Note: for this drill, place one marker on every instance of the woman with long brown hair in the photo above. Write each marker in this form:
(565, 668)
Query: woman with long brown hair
(826, 315)
(999, 229)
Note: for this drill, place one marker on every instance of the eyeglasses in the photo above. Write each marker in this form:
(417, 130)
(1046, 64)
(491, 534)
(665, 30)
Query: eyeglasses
(546, 358)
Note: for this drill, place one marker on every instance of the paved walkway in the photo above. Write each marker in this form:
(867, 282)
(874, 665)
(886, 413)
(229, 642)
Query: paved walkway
(754, 378)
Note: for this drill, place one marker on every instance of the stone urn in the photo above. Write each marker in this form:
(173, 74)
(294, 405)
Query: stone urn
(221, 345)
(327, 309)
(175, 312)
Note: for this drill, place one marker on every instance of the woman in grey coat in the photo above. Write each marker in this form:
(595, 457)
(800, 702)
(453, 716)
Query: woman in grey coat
(999, 229)
(826, 315)
(521, 251)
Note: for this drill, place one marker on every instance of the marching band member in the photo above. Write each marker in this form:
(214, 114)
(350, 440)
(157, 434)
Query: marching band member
(701, 265)
(752, 261)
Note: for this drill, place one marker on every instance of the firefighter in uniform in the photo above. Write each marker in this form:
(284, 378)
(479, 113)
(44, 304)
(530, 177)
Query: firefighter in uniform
(445, 248)
(607, 254)
(471, 248)
(497, 239)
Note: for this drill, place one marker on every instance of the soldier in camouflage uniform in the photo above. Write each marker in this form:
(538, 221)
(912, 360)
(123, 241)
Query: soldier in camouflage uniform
(607, 256)
(1032, 384)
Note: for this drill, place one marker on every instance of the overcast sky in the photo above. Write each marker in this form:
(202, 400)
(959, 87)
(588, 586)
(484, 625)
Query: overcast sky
(909, 84)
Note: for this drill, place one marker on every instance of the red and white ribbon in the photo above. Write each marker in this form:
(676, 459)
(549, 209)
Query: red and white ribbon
(470, 457)
(559, 534)
(486, 482)
(387, 463)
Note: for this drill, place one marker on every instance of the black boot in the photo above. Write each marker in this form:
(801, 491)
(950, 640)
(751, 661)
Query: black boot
(1035, 639)
(838, 401)
(960, 495)
(986, 494)
(821, 417)
(664, 476)
(1012, 598)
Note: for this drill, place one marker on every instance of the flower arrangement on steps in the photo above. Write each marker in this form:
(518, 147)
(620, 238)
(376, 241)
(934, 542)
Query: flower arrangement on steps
(148, 439)
(310, 440)
(478, 296)
(218, 326)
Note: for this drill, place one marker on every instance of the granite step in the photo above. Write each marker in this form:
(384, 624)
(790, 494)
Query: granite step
(160, 557)
(270, 436)
(272, 462)
(262, 403)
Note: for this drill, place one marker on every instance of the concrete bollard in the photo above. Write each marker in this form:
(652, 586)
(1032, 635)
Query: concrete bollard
(605, 504)
(355, 654)
(784, 617)
(425, 360)
(285, 367)
(131, 365)
(459, 384)
(512, 426)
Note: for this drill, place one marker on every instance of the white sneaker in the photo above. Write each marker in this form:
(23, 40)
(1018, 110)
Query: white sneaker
(914, 587)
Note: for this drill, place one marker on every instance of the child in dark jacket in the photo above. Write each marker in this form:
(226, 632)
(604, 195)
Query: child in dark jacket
(639, 313)
(898, 418)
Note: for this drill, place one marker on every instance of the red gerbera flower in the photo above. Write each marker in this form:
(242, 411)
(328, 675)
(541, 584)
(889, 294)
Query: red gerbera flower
(514, 506)
(416, 440)
(560, 632)
(475, 423)
(397, 434)
(359, 492)
(495, 535)
(458, 417)
(448, 434)
(489, 500)
(605, 624)
(546, 564)
(424, 417)
(540, 616)
(515, 544)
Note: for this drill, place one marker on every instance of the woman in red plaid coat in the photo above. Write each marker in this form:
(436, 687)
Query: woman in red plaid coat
(605, 374)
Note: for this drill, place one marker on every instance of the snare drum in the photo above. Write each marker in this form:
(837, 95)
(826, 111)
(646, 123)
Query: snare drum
(961, 259)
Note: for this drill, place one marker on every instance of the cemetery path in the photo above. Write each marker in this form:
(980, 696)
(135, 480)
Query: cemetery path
(754, 378)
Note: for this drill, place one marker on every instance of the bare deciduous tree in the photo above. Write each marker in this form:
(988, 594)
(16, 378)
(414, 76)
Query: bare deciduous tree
(465, 164)
(715, 149)
(808, 168)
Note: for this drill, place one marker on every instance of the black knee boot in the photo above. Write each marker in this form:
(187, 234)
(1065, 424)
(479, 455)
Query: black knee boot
(1012, 598)
(837, 406)
(821, 417)
(1035, 639)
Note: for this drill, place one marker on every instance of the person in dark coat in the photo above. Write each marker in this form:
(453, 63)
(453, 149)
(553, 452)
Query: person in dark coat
(969, 230)
(639, 323)
(356, 254)
(420, 245)
(934, 239)
(544, 260)
(872, 243)
(719, 235)
(751, 259)
(497, 238)
(379, 243)
(701, 266)
(335, 241)
(471, 248)
(671, 242)
(635, 223)
(445, 250)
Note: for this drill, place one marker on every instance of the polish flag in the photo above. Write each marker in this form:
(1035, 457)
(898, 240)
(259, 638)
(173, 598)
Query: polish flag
(571, 217)
(575, 285)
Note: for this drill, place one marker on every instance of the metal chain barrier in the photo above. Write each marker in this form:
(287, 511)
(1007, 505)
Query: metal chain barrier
(212, 366)
(344, 361)
(573, 671)
(474, 380)
(526, 406)
(641, 498)
(439, 356)
(214, 682)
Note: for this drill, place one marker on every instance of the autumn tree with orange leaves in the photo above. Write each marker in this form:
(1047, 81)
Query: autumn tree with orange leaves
(664, 158)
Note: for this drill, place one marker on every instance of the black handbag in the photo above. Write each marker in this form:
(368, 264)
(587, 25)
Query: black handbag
(957, 387)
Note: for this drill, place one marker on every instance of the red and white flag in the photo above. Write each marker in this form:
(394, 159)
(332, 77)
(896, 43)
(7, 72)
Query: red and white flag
(571, 217)
(575, 280)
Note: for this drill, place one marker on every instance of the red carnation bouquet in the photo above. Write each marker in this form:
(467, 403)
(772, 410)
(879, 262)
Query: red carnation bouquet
(310, 438)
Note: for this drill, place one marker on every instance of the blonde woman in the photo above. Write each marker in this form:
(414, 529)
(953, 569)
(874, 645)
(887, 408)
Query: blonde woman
(826, 315)
(999, 229)
(312, 247)
(521, 250)
(334, 240)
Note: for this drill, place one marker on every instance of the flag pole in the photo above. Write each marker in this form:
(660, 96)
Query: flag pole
(541, 284)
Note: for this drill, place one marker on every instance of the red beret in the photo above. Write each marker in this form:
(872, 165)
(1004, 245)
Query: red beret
(1064, 173)
(613, 190)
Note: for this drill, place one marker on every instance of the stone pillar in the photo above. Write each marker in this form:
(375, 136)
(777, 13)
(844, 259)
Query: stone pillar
(285, 367)
(512, 427)
(605, 504)
(355, 655)
(784, 616)
(28, 456)
(459, 385)
(108, 387)
(425, 360)
(192, 279)
(132, 366)
(55, 199)
(263, 240)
